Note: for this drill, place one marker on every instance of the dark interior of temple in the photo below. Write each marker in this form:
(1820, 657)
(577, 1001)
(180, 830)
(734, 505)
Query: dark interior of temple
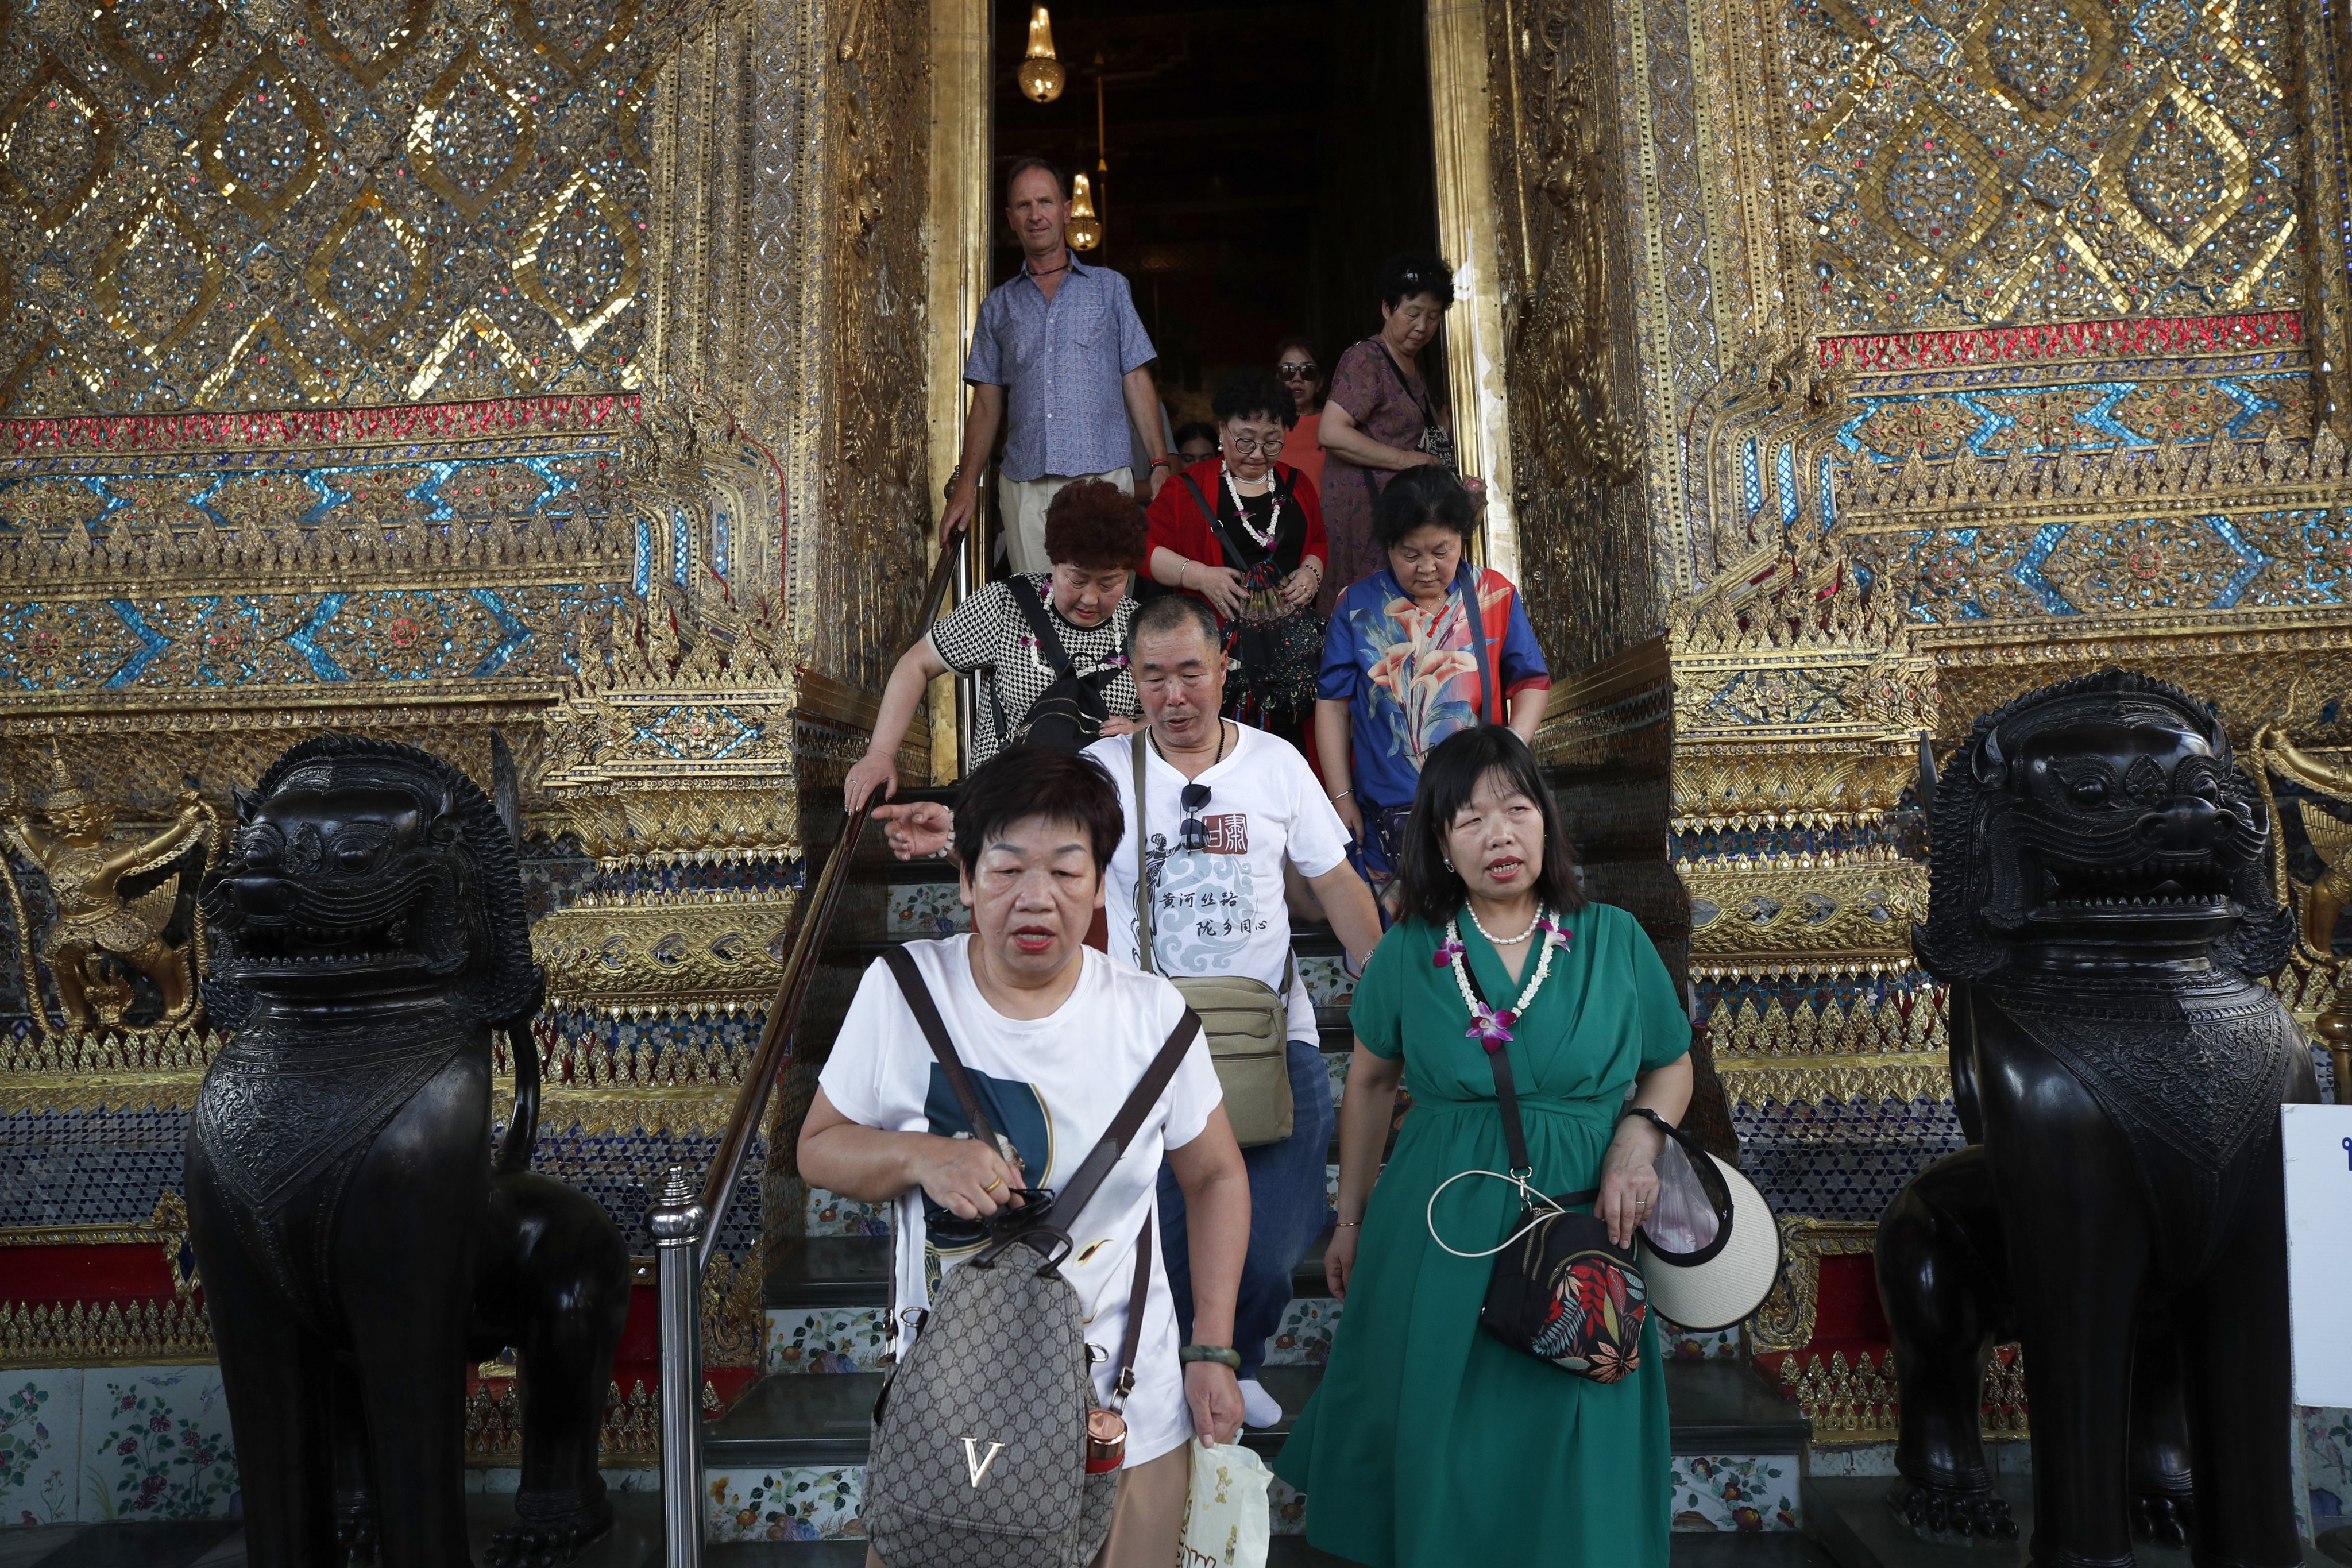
(1255, 166)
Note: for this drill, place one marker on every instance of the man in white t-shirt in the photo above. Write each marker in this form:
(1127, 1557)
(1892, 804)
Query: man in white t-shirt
(1054, 1035)
(1225, 807)
(1221, 911)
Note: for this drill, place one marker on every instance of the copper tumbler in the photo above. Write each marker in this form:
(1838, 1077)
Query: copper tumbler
(1106, 1441)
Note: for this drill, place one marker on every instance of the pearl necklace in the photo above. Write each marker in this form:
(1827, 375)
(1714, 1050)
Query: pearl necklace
(1488, 1027)
(1503, 941)
(1274, 514)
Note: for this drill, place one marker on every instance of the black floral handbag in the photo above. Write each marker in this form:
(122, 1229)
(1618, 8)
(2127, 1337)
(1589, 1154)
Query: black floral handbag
(1561, 1291)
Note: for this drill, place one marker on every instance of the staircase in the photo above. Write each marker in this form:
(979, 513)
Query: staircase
(785, 1464)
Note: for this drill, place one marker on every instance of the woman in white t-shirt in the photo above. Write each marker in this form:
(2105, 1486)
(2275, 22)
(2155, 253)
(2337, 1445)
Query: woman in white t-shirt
(1054, 1035)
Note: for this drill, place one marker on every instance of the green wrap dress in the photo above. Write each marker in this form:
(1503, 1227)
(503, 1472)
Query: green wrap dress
(1431, 1445)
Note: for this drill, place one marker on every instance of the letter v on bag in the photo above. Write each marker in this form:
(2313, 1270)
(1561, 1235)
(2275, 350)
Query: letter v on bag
(974, 1465)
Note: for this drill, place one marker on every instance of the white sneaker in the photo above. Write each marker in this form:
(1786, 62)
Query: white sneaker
(1258, 1407)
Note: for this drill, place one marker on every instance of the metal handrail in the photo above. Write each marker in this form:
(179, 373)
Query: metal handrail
(684, 1224)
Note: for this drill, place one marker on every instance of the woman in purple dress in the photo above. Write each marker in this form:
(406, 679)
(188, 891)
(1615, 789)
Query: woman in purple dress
(1379, 417)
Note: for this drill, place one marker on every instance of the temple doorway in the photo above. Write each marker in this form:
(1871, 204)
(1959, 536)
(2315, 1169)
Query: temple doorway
(1249, 166)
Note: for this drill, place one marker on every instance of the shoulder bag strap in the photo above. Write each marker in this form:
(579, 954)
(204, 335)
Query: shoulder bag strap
(1428, 415)
(1490, 693)
(1049, 641)
(1072, 1199)
(1137, 741)
(1514, 1133)
(1138, 1298)
(926, 1014)
(1216, 523)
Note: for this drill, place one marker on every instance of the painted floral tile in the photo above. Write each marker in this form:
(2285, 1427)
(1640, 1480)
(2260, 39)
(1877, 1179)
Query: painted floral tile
(1327, 980)
(1336, 1063)
(784, 1505)
(927, 910)
(830, 1213)
(2327, 1461)
(1288, 1506)
(838, 1339)
(1304, 1336)
(40, 1446)
(1742, 1492)
(1678, 1344)
(155, 1445)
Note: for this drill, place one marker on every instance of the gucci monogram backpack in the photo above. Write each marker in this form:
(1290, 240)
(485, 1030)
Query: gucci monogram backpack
(981, 1456)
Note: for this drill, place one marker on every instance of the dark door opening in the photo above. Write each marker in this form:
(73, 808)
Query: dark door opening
(1262, 162)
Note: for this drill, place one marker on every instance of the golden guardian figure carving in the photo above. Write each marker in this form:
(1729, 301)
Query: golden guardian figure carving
(114, 911)
(2316, 892)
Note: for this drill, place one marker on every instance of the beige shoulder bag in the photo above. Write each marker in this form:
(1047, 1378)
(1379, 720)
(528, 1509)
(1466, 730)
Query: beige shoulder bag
(1246, 1022)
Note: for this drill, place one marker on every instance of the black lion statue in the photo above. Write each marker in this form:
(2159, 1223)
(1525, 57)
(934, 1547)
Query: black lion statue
(2102, 910)
(359, 1243)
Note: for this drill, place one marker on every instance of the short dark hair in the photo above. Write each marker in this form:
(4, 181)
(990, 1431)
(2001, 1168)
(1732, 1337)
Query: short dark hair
(1169, 613)
(1255, 395)
(1412, 272)
(1200, 428)
(1448, 778)
(1061, 181)
(1094, 525)
(1417, 498)
(1022, 782)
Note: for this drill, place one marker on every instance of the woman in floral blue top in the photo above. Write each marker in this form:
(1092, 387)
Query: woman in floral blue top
(1406, 663)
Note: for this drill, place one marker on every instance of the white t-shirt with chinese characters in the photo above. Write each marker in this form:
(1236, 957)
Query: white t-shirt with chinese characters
(1051, 1086)
(1221, 910)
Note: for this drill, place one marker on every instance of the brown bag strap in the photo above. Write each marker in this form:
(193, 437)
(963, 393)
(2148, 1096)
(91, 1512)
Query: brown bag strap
(926, 1014)
(1113, 1144)
(1137, 1299)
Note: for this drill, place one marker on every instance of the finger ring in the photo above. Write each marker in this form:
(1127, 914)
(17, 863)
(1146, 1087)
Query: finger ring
(993, 1185)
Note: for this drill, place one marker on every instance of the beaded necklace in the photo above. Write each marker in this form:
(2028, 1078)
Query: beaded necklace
(1273, 515)
(1490, 1028)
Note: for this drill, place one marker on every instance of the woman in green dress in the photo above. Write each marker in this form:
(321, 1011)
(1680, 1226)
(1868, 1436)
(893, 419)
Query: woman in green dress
(1430, 1444)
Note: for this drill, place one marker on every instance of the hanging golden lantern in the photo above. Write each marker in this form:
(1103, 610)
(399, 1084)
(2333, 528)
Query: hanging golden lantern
(1042, 75)
(1084, 231)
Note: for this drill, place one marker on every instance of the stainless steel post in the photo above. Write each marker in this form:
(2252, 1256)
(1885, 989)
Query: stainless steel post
(676, 1223)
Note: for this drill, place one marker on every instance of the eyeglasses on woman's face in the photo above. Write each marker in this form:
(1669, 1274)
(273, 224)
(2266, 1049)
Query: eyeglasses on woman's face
(1242, 443)
(1296, 370)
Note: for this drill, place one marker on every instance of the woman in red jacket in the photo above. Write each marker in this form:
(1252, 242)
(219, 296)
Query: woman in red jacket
(1246, 532)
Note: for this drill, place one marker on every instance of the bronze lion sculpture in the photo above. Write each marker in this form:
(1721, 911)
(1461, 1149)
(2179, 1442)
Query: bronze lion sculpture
(360, 1244)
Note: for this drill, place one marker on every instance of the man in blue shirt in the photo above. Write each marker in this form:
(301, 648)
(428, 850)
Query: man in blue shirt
(1061, 343)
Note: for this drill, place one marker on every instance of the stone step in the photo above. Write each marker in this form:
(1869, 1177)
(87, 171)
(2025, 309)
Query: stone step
(1776, 1551)
(1850, 1518)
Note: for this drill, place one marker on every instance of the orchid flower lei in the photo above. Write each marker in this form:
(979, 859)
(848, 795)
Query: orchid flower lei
(1491, 1026)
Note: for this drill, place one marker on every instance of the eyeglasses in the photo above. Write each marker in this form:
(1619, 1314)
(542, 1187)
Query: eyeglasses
(1195, 833)
(1251, 445)
(1289, 371)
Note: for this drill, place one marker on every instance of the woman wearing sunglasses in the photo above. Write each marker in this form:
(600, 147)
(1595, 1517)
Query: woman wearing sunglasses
(1295, 367)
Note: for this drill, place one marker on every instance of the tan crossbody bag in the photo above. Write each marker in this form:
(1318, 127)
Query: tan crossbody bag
(1246, 1022)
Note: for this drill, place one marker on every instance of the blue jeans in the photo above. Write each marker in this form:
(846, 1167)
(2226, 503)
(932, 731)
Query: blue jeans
(1287, 1211)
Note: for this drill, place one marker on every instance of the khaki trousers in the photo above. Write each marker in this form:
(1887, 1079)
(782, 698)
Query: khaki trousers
(1146, 1519)
(1025, 502)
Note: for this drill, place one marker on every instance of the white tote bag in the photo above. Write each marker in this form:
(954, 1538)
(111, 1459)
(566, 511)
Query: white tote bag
(1226, 1523)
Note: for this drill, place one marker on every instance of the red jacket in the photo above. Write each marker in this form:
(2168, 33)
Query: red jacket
(1177, 524)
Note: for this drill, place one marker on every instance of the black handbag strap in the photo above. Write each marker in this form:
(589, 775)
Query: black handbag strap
(1049, 641)
(1490, 694)
(1080, 1187)
(1217, 523)
(1514, 1133)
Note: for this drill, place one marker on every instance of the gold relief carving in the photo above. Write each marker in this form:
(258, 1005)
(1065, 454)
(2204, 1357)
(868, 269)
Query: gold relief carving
(1857, 1404)
(549, 40)
(1790, 780)
(593, 281)
(469, 338)
(2154, 166)
(368, 315)
(133, 1333)
(1867, 1025)
(629, 1438)
(51, 377)
(388, 49)
(1785, 1322)
(687, 953)
(263, 345)
(456, 145)
(196, 22)
(56, 143)
(2052, 53)
(70, 1071)
(1930, 165)
(264, 140)
(1779, 917)
(1899, 1077)
(157, 277)
(103, 936)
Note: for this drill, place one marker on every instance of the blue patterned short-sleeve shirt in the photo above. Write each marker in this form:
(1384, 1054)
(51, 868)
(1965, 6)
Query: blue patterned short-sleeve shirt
(1061, 363)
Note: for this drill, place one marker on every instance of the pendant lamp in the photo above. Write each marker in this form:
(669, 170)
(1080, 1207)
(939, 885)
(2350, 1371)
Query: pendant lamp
(1042, 75)
(1084, 231)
